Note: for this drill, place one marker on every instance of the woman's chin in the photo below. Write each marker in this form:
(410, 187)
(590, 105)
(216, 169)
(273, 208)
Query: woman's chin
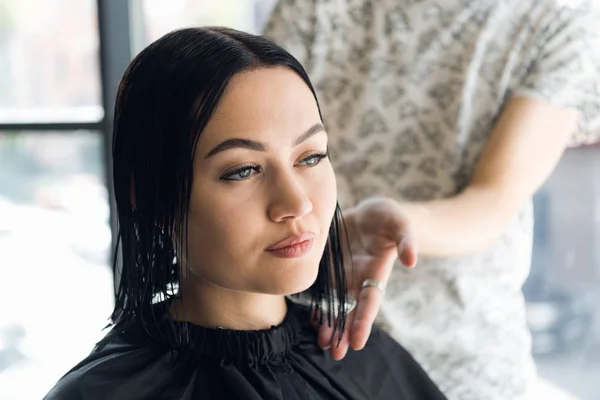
(293, 283)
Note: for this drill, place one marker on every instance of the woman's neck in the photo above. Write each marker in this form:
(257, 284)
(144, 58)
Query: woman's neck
(206, 304)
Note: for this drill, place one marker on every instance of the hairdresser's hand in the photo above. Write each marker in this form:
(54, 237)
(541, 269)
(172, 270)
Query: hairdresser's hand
(379, 233)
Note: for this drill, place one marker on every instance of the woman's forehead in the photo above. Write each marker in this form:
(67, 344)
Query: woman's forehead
(262, 100)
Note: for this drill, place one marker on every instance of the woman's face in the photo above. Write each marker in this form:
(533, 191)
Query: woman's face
(264, 192)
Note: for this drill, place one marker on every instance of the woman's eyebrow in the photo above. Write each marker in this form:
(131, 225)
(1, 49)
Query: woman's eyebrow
(235, 143)
(313, 130)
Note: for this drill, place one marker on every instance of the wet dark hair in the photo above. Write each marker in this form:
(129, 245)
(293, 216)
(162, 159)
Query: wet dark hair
(165, 100)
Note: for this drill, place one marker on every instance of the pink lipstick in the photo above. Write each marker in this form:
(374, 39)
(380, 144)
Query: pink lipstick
(293, 246)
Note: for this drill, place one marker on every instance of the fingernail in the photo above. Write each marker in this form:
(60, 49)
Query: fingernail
(402, 248)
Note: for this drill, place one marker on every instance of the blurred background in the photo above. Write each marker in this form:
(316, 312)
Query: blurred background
(60, 62)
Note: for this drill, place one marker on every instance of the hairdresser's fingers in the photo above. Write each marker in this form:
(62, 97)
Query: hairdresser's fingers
(368, 306)
(339, 347)
(328, 341)
(369, 298)
(407, 252)
(325, 336)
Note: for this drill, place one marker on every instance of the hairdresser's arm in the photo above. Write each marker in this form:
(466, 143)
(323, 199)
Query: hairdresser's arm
(523, 149)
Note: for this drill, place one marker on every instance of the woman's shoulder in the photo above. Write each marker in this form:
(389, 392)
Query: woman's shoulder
(109, 367)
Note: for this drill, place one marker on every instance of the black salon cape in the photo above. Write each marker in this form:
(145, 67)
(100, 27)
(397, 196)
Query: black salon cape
(283, 362)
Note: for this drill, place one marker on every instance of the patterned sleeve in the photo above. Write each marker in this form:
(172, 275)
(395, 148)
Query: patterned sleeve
(566, 68)
(292, 26)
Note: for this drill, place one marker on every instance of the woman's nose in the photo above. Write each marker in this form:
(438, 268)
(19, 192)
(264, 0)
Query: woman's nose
(289, 200)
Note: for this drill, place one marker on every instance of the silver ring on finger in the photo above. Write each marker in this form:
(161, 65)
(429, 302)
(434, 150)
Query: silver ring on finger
(373, 283)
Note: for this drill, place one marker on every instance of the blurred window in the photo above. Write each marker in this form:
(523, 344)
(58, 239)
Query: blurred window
(49, 61)
(57, 288)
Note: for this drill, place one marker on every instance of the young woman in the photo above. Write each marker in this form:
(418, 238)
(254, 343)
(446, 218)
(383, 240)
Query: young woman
(227, 204)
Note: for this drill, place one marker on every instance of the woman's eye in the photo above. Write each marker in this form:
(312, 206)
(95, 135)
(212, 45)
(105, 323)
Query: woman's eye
(314, 159)
(246, 172)
(240, 174)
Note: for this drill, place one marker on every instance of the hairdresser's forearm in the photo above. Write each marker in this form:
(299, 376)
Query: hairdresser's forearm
(460, 225)
(521, 152)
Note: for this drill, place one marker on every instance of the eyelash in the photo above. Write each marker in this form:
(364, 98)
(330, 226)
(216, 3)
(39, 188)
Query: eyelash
(256, 169)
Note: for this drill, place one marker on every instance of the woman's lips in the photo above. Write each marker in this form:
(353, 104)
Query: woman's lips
(293, 246)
